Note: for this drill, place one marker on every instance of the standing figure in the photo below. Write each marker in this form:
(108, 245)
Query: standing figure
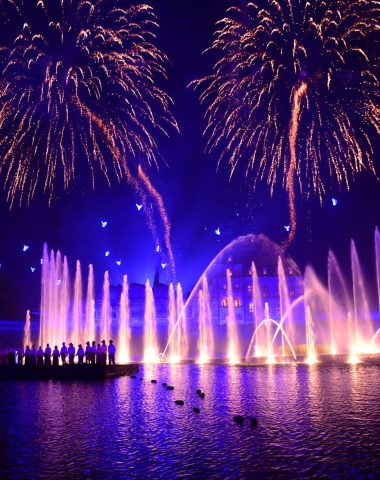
(27, 356)
(71, 352)
(80, 354)
(111, 353)
(20, 354)
(40, 357)
(98, 355)
(63, 353)
(103, 350)
(47, 355)
(33, 356)
(93, 352)
(88, 353)
(55, 357)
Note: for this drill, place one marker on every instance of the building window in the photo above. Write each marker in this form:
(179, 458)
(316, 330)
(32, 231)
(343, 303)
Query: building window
(236, 286)
(237, 302)
(249, 288)
(265, 292)
(251, 307)
(225, 287)
(291, 293)
(225, 302)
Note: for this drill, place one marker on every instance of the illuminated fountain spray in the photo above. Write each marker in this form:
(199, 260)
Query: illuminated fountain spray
(124, 336)
(268, 327)
(150, 327)
(310, 340)
(377, 259)
(64, 303)
(174, 330)
(206, 333)
(284, 305)
(232, 332)
(362, 316)
(353, 357)
(89, 330)
(106, 309)
(77, 330)
(27, 340)
(181, 314)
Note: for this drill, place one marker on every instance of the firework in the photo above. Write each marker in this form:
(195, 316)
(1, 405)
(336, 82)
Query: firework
(78, 86)
(294, 92)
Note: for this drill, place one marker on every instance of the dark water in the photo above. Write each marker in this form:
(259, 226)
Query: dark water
(314, 422)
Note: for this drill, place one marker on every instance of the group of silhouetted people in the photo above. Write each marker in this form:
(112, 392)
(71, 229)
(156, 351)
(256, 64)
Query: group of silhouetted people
(94, 354)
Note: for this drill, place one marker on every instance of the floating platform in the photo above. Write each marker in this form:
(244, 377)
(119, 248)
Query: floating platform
(66, 372)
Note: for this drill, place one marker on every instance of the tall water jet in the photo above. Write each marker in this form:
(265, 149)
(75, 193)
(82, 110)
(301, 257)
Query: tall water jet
(124, 336)
(269, 345)
(76, 330)
(44, 308)
(27, 338)
(310, 340)
(353, 357)
(257, 309)
(173, 328)
(206, 333)
(377, 256)
(52, 296)
(182, 325)
(150, 327)
(90, 332)
(362, 317)
(232, 332)
(106, 309)
(283, 291)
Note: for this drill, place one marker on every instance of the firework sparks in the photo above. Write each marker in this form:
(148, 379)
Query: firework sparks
(78, 83)
(294, 93)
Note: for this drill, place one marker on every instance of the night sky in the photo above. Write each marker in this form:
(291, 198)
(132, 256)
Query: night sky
(199, 199)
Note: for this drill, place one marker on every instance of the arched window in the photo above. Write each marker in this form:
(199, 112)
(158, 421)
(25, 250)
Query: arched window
(225, 302)
(237, 302)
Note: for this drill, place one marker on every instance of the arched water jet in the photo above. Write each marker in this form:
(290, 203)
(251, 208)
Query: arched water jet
(263, 323)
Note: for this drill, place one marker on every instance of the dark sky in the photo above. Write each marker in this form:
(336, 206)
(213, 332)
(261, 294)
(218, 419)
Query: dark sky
(198, 198)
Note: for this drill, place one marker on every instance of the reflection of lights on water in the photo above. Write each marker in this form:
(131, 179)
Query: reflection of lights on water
(138, 206)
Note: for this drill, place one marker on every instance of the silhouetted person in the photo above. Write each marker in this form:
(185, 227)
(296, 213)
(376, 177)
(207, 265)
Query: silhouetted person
(80, 354)
(40, 357)
(20, 354)
(11, 356)
(63, 353)
(47, 355)
(55, 357)
(103, 350)
(27, 355)
(98, 355)
(88, 353)
(71, 352)
(111, 353)
(93, 353)
(33, 356)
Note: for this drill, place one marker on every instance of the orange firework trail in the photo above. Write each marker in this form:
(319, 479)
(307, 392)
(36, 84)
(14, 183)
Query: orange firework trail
(294, 93)
(293, 135)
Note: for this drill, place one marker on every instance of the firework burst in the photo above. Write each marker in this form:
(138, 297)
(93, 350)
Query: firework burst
(294, 92)
(78, 86)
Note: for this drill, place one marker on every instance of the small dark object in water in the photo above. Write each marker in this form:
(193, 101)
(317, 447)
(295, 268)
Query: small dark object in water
(141, 378)
(164, 384)
(179, 402)
(202, 395)
(196, 410)
(254, 422)
(169, 387)
(133, 376)
(198, 391)
(153, 381)
(238, 419)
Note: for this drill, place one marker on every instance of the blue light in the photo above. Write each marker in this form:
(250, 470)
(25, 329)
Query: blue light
(287, 228)
(163, 265)
(25, 248)
(104, 223)
(217, 231)
(138, 206)
(41, 261)
(32, 269)
(334, 201)
(107, 254)
(157, 248)
(118, 263)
